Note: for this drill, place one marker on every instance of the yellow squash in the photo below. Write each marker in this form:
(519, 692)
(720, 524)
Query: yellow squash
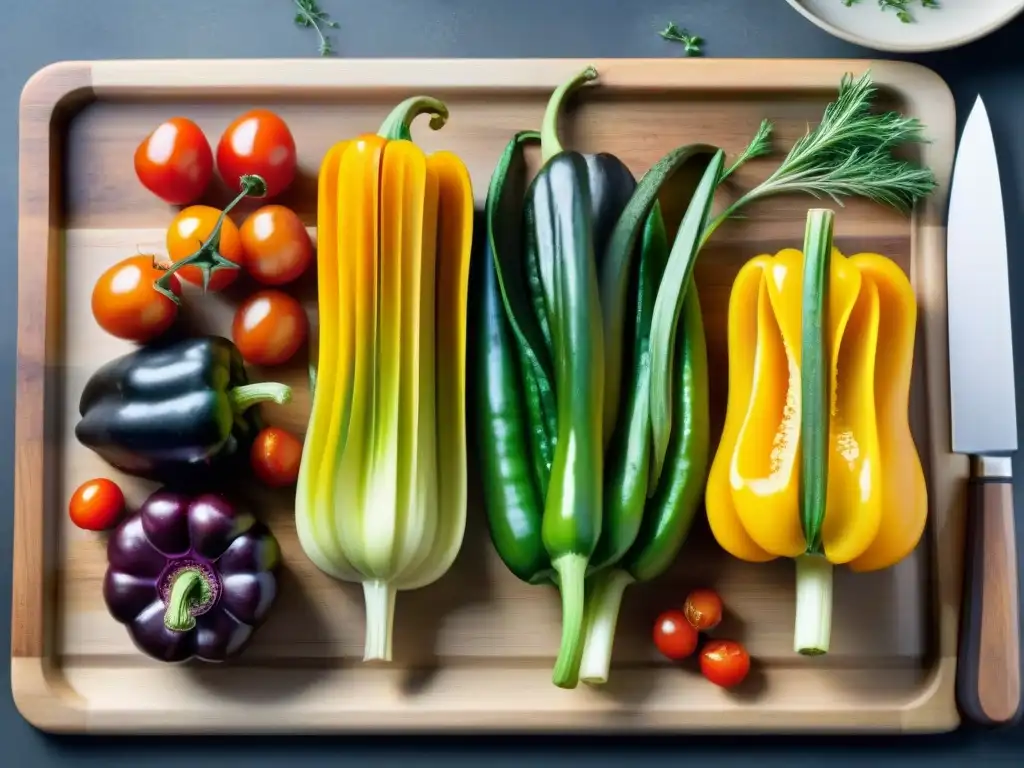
(381, 495)
(876, 502)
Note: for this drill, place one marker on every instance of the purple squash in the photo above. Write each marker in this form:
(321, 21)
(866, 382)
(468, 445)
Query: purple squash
(191, 577)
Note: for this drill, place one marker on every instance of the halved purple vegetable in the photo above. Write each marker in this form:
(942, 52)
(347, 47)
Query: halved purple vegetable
(191, 577)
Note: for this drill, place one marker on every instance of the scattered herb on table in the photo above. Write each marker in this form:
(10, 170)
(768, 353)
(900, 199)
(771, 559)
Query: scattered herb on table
(902, 7)
(691, 43)
(310, 15)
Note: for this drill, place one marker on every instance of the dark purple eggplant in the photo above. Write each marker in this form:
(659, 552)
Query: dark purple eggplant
(191, 576)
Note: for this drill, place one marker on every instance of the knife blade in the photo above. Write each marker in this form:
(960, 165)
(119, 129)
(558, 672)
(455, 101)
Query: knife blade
(984, 427)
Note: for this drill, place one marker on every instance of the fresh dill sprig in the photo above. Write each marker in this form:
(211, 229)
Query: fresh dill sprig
(902, 7)
(759, 146)
(848, 154)
(310, 15)
(691, 43)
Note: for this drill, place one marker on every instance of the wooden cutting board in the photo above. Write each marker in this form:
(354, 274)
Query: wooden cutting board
(473, 651)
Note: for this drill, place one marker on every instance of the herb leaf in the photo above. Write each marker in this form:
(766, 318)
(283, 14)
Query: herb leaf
(901, 7)
(691, 43)
(849, 153)
(310, 15)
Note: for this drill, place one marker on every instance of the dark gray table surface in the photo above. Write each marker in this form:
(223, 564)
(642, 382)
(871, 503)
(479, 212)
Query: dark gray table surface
(36, 32)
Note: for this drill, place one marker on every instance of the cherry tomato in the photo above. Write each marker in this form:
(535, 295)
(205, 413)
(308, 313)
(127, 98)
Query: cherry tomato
(96, 505)
(674, 636)
(126, 305)
(269, 327)
(275, 456)
(257, 142)
(703, 609)
(189, 230)
(276, 245)
(175, 161)
(724, 662)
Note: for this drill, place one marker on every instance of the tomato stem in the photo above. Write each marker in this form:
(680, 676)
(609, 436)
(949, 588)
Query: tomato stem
(208, 258)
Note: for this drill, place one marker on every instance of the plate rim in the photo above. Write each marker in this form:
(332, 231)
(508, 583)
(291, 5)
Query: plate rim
(799, 7)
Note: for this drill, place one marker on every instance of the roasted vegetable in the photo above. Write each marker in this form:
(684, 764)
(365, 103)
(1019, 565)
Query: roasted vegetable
(381, 494)
(175, 412)
(817, 461)
(191, 577)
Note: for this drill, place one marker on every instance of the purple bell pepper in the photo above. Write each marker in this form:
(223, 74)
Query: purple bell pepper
(191, 577)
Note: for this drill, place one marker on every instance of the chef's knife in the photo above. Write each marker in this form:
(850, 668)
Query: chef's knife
(984, 425)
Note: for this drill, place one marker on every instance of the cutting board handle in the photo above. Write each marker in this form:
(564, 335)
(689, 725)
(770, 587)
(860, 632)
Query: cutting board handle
(988, 668)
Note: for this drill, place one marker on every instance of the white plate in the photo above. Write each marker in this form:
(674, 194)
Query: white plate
(954, 23)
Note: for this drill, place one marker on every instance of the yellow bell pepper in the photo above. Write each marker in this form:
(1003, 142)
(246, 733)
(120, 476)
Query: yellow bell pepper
(876, 502)
(382, 489)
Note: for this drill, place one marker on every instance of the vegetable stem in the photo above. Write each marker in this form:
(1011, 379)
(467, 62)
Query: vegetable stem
(602, 616)
(208, 258)
(398, 125)
(379, 597)
(814, 375)
(186, 594)
(248, 395)
(572, 571)
(813, 605)
(549, 142)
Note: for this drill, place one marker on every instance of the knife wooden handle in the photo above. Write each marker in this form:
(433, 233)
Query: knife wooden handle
(988, 668)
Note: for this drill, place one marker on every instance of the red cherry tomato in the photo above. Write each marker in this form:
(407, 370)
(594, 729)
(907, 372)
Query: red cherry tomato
(175, 161)
(257, 142)
(126, 305)
(703, 609)
(96, 505)
(276, 454)
(269, 327)
(189, 230)
(724, 662)
(674, 636)
(276, 245)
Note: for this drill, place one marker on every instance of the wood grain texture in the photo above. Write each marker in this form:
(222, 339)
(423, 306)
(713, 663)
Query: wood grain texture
(475, 648)
(988, 673)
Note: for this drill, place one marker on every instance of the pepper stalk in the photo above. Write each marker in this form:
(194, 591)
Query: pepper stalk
(813, 570)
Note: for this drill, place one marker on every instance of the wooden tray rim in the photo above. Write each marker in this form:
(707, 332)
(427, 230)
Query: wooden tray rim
(56, 92)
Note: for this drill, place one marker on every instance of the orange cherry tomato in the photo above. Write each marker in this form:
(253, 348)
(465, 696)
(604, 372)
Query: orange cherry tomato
(269, 327)
(189, 230)
(276, 245)
(276, 454)
(674, 636)
(257, 142)
(96, 505)
(703, 609)
(175, 161)
(724, 662)
(126, 305)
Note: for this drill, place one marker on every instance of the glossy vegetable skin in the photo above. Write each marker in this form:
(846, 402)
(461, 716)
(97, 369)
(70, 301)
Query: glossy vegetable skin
(674, 636)
(726, 663)
(96, 505)
(548, 278)
(269, 327)
(277, 248)
(276, 455)
(176, 412)
(382, 490)
(192, 227)
(872, 506)
(175, 161)
(191, 577)
(258, 142)
(126, 305)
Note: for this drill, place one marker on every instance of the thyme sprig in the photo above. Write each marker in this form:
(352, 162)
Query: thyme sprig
(901, 7)
(691, 43)
(309, 14)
